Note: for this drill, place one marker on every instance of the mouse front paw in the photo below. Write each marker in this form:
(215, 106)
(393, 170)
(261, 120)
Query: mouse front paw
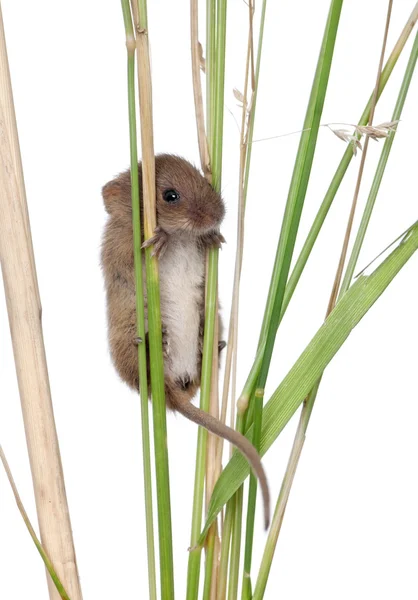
(213, 239)
(159, 241)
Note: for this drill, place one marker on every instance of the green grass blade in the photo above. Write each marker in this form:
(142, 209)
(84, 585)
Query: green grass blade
(380, 170)
(48, 564)
(193, 572)
(154, 311)
(312, 362)
(216, 41)
(140, 311)
(290, 225)
(160, 428)
(303, 163)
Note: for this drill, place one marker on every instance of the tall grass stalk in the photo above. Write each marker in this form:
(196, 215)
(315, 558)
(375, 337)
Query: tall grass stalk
(140, 311)
(290, 224)
(246, 136)
(235, 508)
(231, 348)
(48, 564)
(213, 470)
(193, 572)
(215, 82)
(153, 303)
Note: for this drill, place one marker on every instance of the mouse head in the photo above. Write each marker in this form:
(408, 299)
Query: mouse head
(185, 200)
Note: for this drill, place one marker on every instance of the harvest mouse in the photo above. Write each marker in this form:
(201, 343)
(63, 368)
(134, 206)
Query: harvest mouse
(189, 213)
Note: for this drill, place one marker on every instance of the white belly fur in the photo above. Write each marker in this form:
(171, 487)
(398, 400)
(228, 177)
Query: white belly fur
(181, 278)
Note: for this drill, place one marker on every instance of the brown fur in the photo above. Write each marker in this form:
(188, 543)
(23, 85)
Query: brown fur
(185, 229)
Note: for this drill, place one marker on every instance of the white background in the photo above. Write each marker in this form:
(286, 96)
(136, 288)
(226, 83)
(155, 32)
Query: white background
(351, 527)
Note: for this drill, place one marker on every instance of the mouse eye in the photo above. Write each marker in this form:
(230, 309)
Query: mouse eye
(171, 196)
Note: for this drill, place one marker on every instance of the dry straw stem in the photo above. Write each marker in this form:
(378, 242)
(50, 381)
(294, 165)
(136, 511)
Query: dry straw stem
(6, 100)
(19, 277)
(197, 61)
(60, 588)
(232, 345)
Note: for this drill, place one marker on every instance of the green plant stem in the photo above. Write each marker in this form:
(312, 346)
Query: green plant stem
(215, 74)
(377, 180)
(326, 205)
(194, 556)
(225, 548)
(291, 219)
(48, 564)
(236, 545)
(210, 550)
(154, 311)
(301, 171)
(140, 311)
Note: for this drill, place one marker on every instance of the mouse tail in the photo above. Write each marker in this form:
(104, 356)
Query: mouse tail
(204, 419)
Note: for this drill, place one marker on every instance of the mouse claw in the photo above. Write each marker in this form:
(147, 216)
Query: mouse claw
(221, 345)
(213, 239)
(137, 341)
(159, 241)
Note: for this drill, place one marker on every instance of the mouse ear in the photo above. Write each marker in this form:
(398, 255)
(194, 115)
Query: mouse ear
(117, 194)
(111, 193)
